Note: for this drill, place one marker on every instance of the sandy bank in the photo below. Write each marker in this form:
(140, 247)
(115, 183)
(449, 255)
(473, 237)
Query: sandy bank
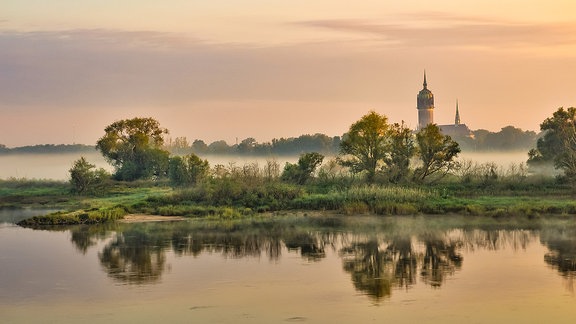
(141, 218)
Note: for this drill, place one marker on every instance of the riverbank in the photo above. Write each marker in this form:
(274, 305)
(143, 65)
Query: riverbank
(228, 200)
(140, 218)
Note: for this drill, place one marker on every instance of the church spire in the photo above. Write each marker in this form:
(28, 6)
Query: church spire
(425, 83)
(457, 118)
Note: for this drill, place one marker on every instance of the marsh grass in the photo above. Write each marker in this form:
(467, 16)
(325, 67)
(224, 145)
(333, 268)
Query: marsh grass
(15, 192)
(382, 200)
(93, 216)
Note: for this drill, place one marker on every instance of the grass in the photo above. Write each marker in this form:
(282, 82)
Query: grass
(237, 198)
(35, 193)
(93, 216)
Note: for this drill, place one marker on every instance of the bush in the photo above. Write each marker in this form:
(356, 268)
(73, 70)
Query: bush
(187, 170)
(85, 178)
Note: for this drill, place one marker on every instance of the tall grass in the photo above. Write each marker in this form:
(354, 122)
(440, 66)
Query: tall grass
(93, 216)
(385, 200)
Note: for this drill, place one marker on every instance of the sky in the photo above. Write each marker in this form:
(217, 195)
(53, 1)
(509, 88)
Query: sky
(233, 69)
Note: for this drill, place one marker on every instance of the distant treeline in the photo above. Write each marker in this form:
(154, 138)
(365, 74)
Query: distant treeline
(320, 143)
(48, 149)
(508, 138)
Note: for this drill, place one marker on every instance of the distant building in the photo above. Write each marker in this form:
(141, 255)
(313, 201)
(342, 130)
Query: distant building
(425, 106)
(457, 129)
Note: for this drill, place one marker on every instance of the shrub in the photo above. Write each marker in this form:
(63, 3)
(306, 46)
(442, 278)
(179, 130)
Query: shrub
(85, 178)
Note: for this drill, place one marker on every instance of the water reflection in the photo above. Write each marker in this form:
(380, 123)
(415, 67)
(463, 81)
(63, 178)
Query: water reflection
(562, 245)
(379, 254)
(86, 236)
(135, 256)
(441, 259)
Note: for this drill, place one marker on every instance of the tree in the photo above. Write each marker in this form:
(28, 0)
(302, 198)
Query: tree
(509, 138)
(134, 148)
(179, 145)
(219, 147)
(402, 149)
(187, 170)
(303, 171)
(247, 146)
(437, 152)
(85, 178)
(366, 145)
(558, 145)
(199, 147)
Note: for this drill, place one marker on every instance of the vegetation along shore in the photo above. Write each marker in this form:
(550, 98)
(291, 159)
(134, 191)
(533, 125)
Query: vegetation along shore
(381, 168)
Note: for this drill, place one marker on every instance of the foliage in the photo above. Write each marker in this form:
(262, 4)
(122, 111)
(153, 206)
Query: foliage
(402, 149)
(249, 146)
(85, 178)
(20, 192)
(507, 139)
(304, 170)
(387, 200)
(179, 146)
(187, 170)
(91, 216)
(134, 148)
(437, 152)
(366, 145)
(558, 145)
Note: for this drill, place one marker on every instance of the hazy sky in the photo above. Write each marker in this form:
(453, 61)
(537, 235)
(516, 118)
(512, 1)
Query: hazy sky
(227, 69)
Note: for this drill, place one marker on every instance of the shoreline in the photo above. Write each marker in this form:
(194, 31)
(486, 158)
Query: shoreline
(144, 218)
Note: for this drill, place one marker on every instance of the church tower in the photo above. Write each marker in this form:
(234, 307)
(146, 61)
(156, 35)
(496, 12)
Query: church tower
(425, 106)
(457, 118)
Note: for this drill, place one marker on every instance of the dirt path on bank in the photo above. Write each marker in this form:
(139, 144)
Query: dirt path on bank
(141, 218)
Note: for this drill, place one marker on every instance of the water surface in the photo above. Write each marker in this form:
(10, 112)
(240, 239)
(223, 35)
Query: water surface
(292, 269)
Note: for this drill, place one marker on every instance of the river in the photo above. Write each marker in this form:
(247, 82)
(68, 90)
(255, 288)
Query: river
(291, 269)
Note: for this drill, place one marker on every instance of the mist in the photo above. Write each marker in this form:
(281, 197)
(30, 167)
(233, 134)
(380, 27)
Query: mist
(56, 166)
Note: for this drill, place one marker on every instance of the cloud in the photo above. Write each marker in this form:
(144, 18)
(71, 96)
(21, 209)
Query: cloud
(433, 29)
(95, 68)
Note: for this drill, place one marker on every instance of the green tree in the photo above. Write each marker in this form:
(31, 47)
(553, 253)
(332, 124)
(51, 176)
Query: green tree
(187, 170)
(304, 170)
(199, 147)
(219, 147)
(402, 149)
(247, 146)
(179, 145)
(437, 152)
(134, 148)
(558, 145)
(365, 146)
(85, 178)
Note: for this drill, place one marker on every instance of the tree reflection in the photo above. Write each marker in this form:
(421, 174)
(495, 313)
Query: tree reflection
(441, 259)
(229, 244)
(376, 268)
(562, 245)
(380, 255)
(135, 256)
(310, 246)
(85, 236)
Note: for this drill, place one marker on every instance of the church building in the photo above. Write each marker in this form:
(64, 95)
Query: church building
(425, 106)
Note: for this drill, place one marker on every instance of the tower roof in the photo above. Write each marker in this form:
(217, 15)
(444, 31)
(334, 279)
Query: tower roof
(425, 96)
(457, 118)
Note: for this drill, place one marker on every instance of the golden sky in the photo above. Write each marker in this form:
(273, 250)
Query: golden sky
(227, 69)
